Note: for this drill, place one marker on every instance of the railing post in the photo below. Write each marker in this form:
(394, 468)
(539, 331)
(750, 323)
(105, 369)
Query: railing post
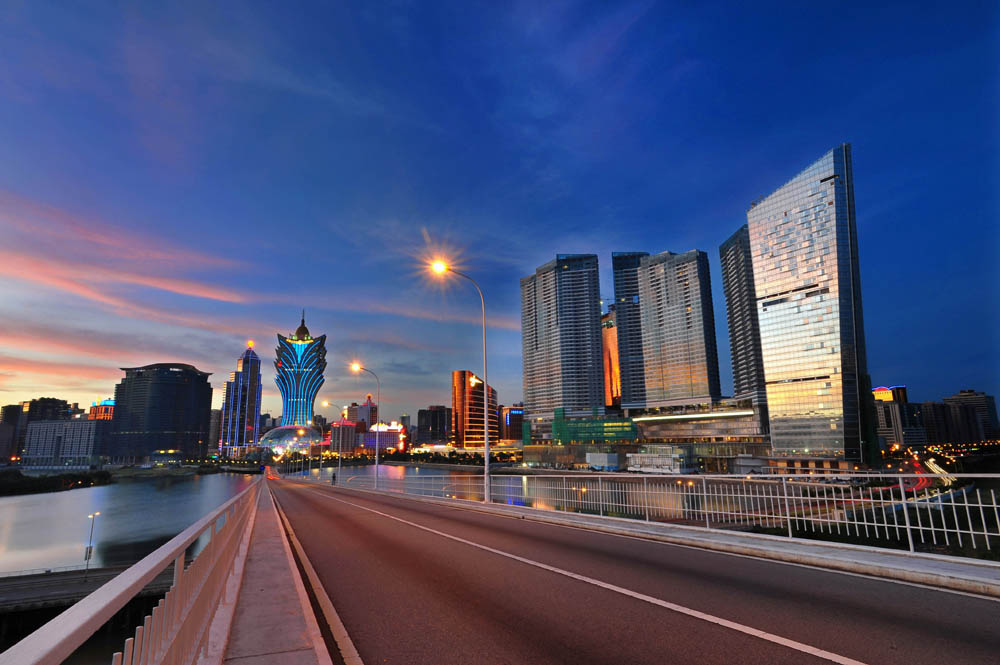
(906, 515)
(704, 500)
(788, 511)
(565, 496)
(645, 497)
(600, 496)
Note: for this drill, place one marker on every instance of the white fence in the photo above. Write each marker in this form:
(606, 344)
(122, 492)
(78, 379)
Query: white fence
(898, 510)
(176, 630)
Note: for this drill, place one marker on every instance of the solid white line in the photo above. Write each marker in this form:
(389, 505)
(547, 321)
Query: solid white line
(732, 625)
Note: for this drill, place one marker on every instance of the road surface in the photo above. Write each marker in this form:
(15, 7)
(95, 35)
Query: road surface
(420, 583)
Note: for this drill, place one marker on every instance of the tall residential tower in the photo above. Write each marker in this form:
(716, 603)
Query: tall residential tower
(741, 312)
(299, 363)
(803, 240)
(625, 266)
(561, 338)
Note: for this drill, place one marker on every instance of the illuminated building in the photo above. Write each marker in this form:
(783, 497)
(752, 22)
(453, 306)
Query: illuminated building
(741, 314)
(680, 359)
(512, 422)
(240, 425)
(561, 338)
(803, 240)
(986, 410)
(299, 363)
(467, 410)
(366, 412)
(628, 327)
(25, 413)
(291, 439)
(103, 410)
(609, 352)
(164, 406)
(387, 436)
(433, 424)
(890, 394)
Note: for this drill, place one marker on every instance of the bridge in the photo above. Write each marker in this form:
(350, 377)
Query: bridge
(567, 569)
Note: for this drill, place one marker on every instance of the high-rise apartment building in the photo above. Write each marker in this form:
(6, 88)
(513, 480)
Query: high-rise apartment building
(628, 324)
(561, 338)
(609, 353)
(741, 314)
(677, 321)
(433, 424)
(986, 410)
(803, 240)
(299, 363)
(164, 406)
(240, 426)
(467, 410)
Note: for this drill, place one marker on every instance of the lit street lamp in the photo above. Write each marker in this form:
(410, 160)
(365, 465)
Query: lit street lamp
(90, 545)
(440, 267)
(356, 367)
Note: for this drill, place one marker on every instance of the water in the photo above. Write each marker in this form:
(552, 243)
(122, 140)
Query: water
(138, 515)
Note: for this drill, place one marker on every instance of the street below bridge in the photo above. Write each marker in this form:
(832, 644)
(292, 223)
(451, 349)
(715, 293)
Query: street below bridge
(418, 582)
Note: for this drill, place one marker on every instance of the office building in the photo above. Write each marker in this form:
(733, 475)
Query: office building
(951, 423)
(986, 410)
(164, 406)
(240, 426)
(680, 358)
(214, 430)
(103, 410)
(561, 338)
(404, 420)
(23, 414)
(741, 314)
(512, 422)
(628, 325)
(897, 422)
(299, 363)
(76, 442)
(804, 246)
(609, 353)
(467, 411)
(433, 424)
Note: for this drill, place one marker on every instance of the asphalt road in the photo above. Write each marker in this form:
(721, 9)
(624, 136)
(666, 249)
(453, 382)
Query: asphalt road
(408, 593)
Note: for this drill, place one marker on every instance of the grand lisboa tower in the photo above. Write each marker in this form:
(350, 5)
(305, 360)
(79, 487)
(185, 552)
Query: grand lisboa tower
(299, 363)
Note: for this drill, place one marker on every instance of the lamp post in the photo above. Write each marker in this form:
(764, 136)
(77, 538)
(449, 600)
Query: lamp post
(90, 545)
(340, 455)
(440, 267)
(356, 367)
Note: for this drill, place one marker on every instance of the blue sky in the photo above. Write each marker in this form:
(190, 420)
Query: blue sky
(177, 179)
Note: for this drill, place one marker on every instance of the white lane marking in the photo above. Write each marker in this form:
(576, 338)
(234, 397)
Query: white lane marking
(732, 625)
(763, 559)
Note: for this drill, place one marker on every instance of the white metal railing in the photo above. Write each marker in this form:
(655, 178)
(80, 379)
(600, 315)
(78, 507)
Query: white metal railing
(915, 511)
(175, 631)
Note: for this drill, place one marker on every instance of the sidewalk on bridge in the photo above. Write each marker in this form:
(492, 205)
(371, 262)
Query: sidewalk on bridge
(968, 575)
(273, 622)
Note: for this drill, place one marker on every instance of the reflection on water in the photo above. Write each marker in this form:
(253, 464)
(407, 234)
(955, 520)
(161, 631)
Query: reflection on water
(137, 516)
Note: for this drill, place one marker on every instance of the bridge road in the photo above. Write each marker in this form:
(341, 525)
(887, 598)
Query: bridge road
(408, 594)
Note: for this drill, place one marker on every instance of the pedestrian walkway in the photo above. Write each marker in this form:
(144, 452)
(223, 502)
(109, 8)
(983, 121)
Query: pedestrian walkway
(273, 622)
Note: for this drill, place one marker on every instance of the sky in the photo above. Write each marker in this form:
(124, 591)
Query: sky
(177, 178)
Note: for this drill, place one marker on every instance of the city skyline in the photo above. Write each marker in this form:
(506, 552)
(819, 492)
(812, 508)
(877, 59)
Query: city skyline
(154, 237)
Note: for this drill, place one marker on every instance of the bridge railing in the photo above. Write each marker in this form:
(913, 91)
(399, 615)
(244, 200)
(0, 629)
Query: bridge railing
(951, 512)
(177, 628)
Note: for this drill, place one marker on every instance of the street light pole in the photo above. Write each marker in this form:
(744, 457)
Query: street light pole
(440, 267)
(378, 406)
(90, 545)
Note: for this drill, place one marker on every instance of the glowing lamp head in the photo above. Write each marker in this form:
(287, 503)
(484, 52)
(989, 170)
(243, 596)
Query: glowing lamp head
(355, 367)
(325, 403)
(249, 343)
(439, 267)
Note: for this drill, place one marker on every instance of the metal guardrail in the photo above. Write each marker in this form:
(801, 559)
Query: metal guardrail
(885, 509)
(176, 629)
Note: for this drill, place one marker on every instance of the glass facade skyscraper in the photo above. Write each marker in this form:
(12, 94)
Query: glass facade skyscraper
(467, 410)
(680, 358)
(299, 363)
(803, 240)
(741, 313)
(625, 267)
(561, 338)
(240, 424)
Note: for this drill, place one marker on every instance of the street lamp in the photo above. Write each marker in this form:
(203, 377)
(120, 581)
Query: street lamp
(90, 545)
(440, 268)
(356, 367)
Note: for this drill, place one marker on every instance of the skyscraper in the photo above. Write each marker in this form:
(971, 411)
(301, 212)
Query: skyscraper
(241, 405)
(625, 266)
(467, 410)
(986, 410)
(680, 359)
(803, 240)
(609, 353)
(299, 364)
(741, 313)
(433, 424)
(164, 406)
(561, 338)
